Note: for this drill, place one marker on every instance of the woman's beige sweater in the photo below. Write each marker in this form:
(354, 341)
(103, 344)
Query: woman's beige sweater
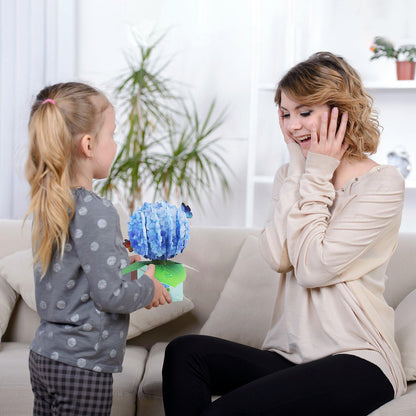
(331, 249)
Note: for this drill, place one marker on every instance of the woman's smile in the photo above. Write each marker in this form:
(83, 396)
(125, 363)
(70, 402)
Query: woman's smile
(299, 119)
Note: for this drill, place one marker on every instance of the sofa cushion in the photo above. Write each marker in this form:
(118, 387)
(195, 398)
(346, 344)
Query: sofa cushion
(152, 379)
(405, 332)
(150, 391)
(402, 406)
(16, 396)
(127, 383)
(17, 270)
(16, 274)
(8, 299)
(244, 309)
(144, 320)
(15, 279)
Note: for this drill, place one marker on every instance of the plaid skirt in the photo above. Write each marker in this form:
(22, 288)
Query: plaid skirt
(64, 390)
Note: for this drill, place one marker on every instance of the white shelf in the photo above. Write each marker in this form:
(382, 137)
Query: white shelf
(392, 85)
(370, 85)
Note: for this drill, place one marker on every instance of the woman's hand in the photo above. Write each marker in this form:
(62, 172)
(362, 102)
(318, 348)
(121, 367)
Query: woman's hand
(285, 133)
(330, 141)
(161, 295)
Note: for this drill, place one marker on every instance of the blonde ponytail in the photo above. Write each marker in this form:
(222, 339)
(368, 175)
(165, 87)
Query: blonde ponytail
(60, 115)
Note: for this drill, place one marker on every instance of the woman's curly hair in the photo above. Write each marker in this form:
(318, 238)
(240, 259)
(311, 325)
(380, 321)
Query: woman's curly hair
(325, 78)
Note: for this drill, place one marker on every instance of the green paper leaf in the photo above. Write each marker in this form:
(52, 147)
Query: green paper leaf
(168, 272)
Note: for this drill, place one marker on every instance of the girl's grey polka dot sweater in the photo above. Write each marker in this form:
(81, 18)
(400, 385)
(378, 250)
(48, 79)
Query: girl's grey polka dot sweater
(84, 301)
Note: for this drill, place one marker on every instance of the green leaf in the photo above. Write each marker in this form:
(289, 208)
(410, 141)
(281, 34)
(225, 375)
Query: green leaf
(168, 272)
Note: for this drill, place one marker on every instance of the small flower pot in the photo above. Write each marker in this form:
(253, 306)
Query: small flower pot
(405, 70)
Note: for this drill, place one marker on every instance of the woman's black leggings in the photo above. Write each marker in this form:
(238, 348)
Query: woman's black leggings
(259, 383)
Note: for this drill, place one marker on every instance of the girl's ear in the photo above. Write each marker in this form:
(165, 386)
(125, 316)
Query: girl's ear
(86, 146)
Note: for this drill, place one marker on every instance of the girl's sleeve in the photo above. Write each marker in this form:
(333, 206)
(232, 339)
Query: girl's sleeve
(95, 231)
(272, 241)
(326, 250)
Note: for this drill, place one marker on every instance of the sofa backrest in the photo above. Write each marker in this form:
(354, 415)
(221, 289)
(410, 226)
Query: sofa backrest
(213, 251)
(401, 271)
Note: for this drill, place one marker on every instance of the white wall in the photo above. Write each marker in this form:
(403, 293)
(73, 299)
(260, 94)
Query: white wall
(213, 45)
(37, 47)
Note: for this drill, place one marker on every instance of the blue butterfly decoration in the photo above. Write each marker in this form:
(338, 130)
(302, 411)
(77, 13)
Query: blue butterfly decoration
(187, 210)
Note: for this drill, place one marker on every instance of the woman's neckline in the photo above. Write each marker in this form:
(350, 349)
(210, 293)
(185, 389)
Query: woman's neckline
(375, 168)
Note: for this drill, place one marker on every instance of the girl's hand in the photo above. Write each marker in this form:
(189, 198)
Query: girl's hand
(134, 258)
(161, 295)
(285, 133)
(330, 141)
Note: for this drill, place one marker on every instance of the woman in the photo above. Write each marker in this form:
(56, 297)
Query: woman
(333, 227)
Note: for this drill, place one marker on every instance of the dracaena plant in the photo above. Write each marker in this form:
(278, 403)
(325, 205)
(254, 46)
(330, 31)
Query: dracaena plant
(168, 148)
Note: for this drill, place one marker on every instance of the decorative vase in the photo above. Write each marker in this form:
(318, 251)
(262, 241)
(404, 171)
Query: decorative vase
(405, 70)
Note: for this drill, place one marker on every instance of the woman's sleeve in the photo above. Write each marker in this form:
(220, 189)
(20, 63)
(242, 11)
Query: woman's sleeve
(272, 241)
(96, 234)
(324, 250)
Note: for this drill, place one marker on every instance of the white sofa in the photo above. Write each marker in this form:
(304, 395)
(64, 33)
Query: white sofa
(224, 303)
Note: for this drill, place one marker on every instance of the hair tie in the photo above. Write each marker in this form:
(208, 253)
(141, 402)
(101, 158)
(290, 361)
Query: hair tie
(48, 100)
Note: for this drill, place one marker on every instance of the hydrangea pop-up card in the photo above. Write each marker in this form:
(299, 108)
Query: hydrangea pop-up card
(159, 231)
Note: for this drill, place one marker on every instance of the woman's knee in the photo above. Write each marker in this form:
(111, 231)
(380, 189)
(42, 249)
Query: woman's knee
(181, 345)
(180, 350)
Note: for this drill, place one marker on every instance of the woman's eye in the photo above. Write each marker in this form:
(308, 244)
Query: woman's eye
(306, 113)
(285, 115)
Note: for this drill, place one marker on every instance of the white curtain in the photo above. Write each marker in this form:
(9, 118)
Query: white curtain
(38, 42)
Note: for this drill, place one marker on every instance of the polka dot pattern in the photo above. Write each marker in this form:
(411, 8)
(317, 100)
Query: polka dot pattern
(71, 342)
(61, 304)
(83, 211)
(102, 284)
(111, 260)
(70, 284)
(102, 223)
(85, 297)
(78, 290)
(81, 362)
(94, 246)
(75, 317)
(87, 327)
(78, 233)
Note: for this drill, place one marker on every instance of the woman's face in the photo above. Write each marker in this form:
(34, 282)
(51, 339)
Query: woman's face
(297, 120)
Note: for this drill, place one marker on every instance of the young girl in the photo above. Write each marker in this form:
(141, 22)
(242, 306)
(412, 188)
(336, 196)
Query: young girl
(82, 298)
(334, 225)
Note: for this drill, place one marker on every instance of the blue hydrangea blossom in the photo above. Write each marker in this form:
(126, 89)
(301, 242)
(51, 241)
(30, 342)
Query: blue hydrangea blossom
(158, 231)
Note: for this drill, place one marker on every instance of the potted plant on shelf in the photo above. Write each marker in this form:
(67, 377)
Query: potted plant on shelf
(405, 56)
(168, 148)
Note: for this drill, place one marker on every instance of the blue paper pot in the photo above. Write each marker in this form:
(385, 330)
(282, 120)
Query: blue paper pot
(169, 273)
